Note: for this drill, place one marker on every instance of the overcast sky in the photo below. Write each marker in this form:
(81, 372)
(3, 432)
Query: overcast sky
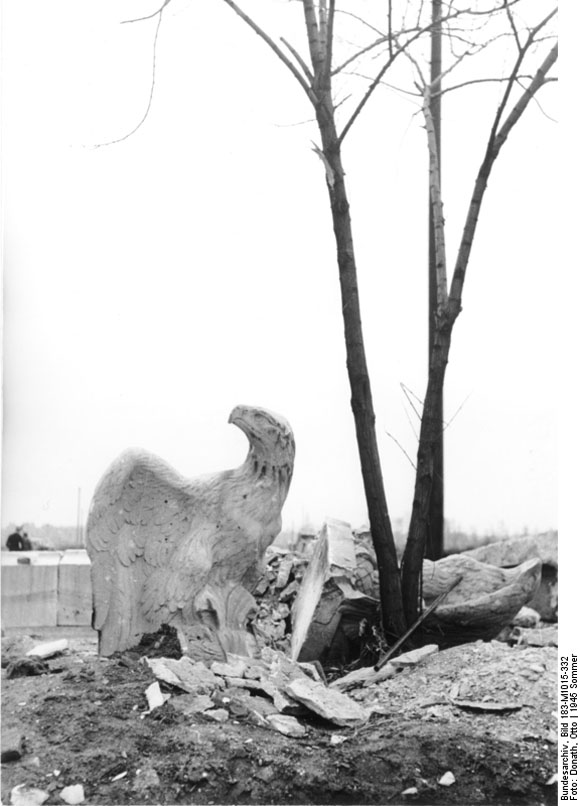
(153, 284)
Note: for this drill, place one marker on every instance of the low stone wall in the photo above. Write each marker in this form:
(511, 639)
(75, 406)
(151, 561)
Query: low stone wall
(46, 588)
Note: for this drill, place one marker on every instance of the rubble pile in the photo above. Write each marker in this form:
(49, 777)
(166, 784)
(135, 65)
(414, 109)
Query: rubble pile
(275, 593)
(268, 691)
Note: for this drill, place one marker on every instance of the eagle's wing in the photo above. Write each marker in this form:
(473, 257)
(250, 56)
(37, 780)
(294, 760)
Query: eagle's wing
(147, 537)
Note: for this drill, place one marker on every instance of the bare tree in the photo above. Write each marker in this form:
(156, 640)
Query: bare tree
(467, 34)
(525, 42)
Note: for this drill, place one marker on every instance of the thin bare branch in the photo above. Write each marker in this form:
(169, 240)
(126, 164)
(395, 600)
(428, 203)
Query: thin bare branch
(519, 108)
(270, 42)
(448, 423)
(358, 54)
(398, 444)
(549, 80)
(513, 26)
(413, 429)
(390, 27)
(515, 72)
(149, 16)
(408, 394)
(158, 13)
(374, 84)
(474, 81)
(495, 143)
(299, 59)
(398, 644)
(344, 13)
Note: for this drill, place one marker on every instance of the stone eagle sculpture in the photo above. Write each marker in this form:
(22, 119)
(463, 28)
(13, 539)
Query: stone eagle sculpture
(168, 550)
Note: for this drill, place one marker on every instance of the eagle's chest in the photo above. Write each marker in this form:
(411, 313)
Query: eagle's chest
(250, 518)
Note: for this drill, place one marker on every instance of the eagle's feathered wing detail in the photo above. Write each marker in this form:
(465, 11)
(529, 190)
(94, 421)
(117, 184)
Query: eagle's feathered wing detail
(164, 548)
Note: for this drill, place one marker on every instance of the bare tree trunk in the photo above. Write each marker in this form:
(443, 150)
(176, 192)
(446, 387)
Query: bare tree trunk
(429, 441)
(436, 518)
(361, 397)
(448, 309)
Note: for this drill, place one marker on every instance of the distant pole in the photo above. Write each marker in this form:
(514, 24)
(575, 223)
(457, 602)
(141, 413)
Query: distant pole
(79, 522)
(434, 548)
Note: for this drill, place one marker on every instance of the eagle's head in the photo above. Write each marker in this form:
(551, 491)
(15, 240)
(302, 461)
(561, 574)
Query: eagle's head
(270, 436)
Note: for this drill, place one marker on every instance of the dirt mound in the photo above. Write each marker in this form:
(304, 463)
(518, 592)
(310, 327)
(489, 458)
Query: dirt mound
(483, 711)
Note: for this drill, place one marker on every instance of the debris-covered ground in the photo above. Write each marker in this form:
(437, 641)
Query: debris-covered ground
(472, 724)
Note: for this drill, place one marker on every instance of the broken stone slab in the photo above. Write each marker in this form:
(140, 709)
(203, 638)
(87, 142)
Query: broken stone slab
(327, 603)
(190, 704)
(546, 636)
(191, 676)
(482, 604)
(414, 656)
(368, 677)
(282, 703)
(485, 705)
(244, 682)
(508, 553)
(328, 703)
(49, 649)
(234, 667)
(363, 677)
(287, 725)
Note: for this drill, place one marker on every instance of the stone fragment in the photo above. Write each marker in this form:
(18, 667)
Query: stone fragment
(191, 676)
(284, 570)
(154, 696)
(415, 656)
(447, 779)
(546, 636)
(24, 795)
(243, 682)
(287, 725)
(290, 591)
(48, 649)
(485, 705)
(364, 677)
(218, 715)
(526, 617)
(232, 668)
(73, 795)
(327, 703)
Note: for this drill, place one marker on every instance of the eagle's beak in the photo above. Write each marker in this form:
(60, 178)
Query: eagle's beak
(237, 415)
